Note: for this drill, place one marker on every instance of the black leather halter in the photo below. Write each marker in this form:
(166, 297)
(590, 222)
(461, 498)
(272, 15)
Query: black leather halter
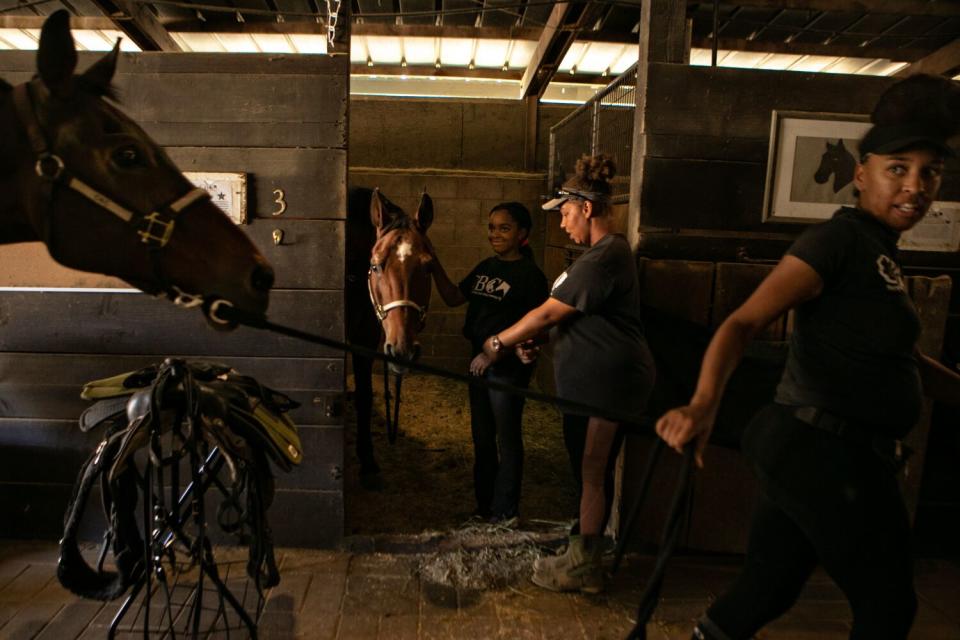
(154, 229)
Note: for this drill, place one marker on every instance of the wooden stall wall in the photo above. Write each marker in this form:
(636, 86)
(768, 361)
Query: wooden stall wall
(283, 121)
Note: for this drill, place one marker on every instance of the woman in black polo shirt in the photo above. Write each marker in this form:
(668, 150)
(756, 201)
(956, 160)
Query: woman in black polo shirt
(827, 451)
(499, 291)
(601, 357)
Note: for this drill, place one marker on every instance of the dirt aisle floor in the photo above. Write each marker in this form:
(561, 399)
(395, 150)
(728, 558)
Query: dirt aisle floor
(428, 473)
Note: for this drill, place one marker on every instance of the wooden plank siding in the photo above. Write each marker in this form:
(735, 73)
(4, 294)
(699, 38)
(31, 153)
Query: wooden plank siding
(283, 121)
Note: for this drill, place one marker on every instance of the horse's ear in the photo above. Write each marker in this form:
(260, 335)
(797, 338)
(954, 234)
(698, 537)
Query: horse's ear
(56, 55)
(100, 73)
(424, 215)
(377, 213)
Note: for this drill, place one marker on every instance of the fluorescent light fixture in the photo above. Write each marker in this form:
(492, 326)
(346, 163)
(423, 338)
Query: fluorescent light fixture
(779, 61)
(456, 52)
(273, 42)
(434, 87)
(744, 59)
(600, 56)
(385, 49)
(238, 42)
(629, 57)
(811, 63)
(311, 43)
(521, 53)
(358, 49)
(569, 93)
(420, 50)
(574, 53)
(198, 42)
(91, 40)
(492, 54)
(19, 39)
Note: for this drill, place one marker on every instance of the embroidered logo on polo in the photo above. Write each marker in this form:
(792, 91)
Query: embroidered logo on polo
(890, 272)
(496, 288)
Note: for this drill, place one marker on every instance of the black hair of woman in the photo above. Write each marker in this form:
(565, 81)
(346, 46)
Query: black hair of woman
(590, 181)
(520, 215)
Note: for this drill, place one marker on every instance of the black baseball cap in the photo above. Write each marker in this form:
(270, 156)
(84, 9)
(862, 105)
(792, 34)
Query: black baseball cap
(889, 138)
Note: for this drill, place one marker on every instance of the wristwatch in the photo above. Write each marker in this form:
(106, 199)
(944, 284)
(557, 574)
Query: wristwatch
(495, 344)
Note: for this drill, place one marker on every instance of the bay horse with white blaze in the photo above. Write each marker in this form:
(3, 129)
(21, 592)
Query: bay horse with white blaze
(387, 289)
(80, 176)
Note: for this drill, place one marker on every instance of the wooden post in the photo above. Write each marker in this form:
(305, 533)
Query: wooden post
(664, 37)
(531, 123)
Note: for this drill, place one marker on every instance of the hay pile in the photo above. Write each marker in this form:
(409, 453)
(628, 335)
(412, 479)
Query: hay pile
(428, 473)
(481, 557)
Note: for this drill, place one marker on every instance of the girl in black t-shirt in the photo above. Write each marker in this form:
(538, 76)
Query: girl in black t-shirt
(498, 291)
(827, 451)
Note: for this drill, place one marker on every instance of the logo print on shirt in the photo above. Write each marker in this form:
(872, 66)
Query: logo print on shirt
(890, 272)
(558, 281)
(488, 287)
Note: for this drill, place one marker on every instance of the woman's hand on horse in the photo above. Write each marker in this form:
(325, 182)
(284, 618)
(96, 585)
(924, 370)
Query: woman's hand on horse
(692, 422)
(479, 364)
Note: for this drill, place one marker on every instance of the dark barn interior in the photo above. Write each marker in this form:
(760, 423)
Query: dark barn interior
(307, 99)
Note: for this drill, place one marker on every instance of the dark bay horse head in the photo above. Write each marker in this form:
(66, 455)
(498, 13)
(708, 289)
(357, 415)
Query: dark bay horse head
(79, 175)
(399, 276)
(839, 162)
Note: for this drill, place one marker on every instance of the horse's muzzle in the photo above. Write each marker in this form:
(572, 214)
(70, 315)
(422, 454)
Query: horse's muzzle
(262, 278)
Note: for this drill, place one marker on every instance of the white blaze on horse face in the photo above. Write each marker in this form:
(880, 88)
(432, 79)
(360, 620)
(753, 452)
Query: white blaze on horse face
(404, 250)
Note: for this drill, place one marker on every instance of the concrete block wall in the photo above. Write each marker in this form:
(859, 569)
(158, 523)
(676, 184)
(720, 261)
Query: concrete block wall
(462, 203)
(468, 154)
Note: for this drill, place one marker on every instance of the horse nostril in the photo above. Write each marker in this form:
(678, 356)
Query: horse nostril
(388, 349)
(262, 278)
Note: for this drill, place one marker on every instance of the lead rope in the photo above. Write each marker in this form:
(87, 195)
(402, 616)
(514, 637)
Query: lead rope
(224, 312)
(392, 422)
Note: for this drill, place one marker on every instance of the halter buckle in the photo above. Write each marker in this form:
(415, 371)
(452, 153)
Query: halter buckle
(43, 161)
(151, 221)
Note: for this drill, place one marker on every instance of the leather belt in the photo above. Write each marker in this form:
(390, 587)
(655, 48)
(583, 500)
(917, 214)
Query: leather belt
(890, 449)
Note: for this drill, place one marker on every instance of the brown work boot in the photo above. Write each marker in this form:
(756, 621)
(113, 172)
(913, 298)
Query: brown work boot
(579, 568)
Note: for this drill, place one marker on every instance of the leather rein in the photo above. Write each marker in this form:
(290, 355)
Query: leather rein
(381, 310)
(154, 229)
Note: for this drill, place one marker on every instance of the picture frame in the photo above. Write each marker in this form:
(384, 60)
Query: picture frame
(810, 164)
(228, 191)
(939, 230)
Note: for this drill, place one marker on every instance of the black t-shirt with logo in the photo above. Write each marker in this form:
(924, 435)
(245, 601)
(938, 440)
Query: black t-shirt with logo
(600, 354)
(852, 348)
(500, 292)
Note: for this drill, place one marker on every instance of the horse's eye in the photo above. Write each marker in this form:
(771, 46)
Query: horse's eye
(127, 157)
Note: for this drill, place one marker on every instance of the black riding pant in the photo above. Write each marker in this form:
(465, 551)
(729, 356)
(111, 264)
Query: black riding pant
(824, 501)
(496, 425)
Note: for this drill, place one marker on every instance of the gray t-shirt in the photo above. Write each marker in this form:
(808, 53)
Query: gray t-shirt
(852, 349)
(601, 356)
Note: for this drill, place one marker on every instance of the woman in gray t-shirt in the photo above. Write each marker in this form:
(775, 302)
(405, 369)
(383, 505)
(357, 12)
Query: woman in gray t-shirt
(601, 356)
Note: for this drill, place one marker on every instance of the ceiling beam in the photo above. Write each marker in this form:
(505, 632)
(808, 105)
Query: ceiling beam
(139, 23)
(812, 49)
(565, 22)
(36, 22)
(944, 60)
(445, 31)
(945, 8)
(428, 72)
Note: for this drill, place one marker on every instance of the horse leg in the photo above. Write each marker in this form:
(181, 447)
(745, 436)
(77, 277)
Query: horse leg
(363, 403)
